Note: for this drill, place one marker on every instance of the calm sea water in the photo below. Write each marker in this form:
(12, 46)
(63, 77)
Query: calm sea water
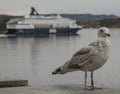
(35, 58)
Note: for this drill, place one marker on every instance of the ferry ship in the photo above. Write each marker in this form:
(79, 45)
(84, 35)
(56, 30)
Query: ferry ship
(37, 24)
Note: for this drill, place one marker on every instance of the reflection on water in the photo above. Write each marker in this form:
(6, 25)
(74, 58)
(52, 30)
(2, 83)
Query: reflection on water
(35, 58)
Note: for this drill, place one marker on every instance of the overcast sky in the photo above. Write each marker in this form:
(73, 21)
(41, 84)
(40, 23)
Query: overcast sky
(22, 7)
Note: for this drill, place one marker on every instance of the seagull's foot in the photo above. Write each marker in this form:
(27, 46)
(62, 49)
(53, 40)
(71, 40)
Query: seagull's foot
(91, 88)
(88, 88)
(97, 87)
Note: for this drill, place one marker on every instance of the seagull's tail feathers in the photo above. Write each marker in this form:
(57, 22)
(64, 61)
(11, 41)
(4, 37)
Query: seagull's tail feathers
(63, 69)
(57, 71)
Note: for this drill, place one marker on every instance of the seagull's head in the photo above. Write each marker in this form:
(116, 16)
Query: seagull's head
(103, 32)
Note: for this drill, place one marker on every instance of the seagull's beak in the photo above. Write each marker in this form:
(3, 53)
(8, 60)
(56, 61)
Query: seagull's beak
(108, 35)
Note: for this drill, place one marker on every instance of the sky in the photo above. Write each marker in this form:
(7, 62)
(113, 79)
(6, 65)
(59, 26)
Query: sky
(22, 7)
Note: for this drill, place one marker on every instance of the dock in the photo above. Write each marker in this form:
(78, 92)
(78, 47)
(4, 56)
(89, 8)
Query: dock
(7, 82)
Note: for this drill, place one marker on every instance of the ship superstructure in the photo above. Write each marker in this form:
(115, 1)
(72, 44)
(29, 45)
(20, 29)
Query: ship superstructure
(36, 24)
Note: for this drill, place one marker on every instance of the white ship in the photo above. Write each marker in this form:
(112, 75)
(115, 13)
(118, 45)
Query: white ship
(36, 24)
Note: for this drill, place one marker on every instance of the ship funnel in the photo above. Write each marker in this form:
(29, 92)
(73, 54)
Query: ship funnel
(33, 11)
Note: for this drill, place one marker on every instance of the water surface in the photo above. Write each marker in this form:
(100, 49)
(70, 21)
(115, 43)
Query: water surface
(35, 58)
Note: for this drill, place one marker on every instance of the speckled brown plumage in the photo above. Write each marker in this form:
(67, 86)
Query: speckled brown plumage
(89, 58)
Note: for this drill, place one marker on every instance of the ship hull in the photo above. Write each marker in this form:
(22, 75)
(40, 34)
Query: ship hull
(42, 31)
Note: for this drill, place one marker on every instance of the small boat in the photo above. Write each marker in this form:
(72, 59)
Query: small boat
(37, 24)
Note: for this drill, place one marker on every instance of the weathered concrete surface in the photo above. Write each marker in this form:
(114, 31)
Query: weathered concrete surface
(6, 82)
(56, 89)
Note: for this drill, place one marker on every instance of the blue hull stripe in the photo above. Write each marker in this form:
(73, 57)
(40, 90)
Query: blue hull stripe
(42, 31)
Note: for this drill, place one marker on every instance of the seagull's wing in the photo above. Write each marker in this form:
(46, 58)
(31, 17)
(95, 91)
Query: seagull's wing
(81, 57)
(83, 51)
(86, 50)
(94, 44)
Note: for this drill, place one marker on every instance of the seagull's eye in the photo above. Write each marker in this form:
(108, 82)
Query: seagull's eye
(101, 30)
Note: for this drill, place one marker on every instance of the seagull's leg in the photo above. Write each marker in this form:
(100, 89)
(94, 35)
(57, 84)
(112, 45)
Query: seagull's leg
(86, 87)
(92, 83)
(85, 79)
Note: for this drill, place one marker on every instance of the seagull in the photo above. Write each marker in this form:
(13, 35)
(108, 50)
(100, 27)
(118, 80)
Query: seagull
(89, 58)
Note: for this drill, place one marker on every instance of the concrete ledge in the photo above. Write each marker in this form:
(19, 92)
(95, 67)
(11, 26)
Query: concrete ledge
(5, 82)
(57, 89)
